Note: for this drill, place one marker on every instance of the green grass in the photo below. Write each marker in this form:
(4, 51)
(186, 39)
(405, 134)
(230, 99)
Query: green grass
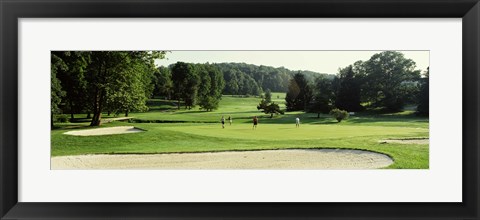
(238, 108)
(362, 131)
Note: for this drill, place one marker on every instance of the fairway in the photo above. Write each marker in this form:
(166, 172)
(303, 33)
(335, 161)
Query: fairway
(184, 131)
(236, 107)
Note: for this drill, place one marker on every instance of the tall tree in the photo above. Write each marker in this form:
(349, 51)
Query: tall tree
(204, 87)
(204, 98)
(231, 80)
(73, 79)
(248, 86)
(348, 89)
(185, 83)
(299, 93)
(163, 82)
(268, 96)
(56, 92)
(122, 74)
(211, 87)
(217, 81)
(131, 93)
(423, 107)
(391, 80)
(216, 87)
(323, 96)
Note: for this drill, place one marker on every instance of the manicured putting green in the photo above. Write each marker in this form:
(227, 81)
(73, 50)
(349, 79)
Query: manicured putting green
(289, 131)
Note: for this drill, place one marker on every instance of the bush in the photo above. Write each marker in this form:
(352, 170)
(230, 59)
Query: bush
(61, 118)
(339, 114)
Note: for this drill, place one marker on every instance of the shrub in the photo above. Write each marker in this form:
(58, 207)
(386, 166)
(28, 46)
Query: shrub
(339, 114)
(61, 118)
(269, 108)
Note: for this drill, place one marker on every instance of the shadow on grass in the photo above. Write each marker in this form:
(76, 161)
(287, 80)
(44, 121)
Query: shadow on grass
(186, 111)
(324, 122)
(359, 120)
(161, 108)
(308, 118)
(72, 126)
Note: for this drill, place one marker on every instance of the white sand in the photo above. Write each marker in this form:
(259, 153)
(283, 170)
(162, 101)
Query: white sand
(104, 131)
(406, 141)
(267, 159)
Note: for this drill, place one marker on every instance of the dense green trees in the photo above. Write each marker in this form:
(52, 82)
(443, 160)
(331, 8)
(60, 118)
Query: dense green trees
(132, 92)
(423, 96)
(72, 78)
(387, 81)
(67, 82)
(299, 93)
(238, 79)
(348, 87)
(238, 76)
(119, 81)
(239, 83)
(56, 92)
(194, 84)
(391, 80)
(185, 84)
(97, 81)
(211, 87)
(323, 96)
(163, 84)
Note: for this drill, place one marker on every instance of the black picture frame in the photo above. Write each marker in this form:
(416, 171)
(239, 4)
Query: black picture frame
(12, 10)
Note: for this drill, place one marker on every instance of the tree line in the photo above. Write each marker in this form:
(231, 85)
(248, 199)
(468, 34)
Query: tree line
(115, 82)
(387, 81)
(249, 79)
(193, 84)
(224, 78)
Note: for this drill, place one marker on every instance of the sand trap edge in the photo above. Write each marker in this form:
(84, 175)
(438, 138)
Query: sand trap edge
(194, 161)
(105, 131)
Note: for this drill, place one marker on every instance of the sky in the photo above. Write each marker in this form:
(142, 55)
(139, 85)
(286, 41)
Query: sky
(318, 61)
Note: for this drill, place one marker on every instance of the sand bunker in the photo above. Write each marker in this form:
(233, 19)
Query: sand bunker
(104, 131)
(265, 159)
(406, 141)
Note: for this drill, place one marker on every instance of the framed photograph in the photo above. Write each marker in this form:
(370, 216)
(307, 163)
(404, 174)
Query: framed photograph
(249, 110)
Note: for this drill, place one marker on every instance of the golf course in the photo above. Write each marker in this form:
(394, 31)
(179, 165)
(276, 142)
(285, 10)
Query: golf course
(167, 130)
(128, 110)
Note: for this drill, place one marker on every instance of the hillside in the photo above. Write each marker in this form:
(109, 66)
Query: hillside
(238, 75)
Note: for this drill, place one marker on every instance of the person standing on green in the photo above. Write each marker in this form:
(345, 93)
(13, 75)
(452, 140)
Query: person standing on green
(223, 121)
(255, 122)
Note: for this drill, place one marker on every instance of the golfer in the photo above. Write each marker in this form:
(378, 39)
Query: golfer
(230, 120)
(255, 122)
(223, 121)
(297, 122)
